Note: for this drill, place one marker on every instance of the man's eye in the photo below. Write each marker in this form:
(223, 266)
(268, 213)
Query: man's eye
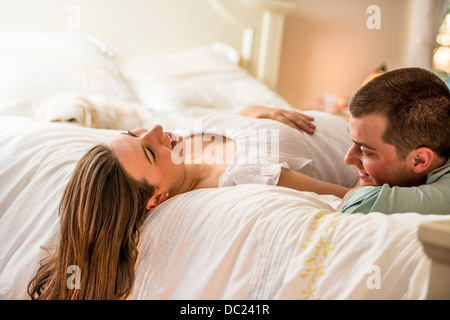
(366, 154)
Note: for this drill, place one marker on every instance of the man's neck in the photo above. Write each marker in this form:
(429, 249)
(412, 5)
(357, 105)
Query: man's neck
(437, 162)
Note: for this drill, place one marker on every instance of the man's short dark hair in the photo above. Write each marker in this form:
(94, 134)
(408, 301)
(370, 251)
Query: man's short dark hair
(416, 104)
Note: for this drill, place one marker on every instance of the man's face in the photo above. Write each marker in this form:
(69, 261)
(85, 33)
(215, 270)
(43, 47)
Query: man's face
(376, 161)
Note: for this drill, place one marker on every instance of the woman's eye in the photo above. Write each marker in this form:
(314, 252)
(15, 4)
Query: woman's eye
(152, 153)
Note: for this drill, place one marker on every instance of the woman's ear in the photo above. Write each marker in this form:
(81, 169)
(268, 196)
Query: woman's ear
(157, 199)
(423, 158)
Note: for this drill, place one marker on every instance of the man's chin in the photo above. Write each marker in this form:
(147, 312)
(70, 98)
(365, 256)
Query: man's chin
(366, 180)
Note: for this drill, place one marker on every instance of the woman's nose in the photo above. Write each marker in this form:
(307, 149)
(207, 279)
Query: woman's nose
(156, 133)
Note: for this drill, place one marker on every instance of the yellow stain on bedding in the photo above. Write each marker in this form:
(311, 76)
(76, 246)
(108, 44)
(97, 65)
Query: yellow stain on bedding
(321, 247)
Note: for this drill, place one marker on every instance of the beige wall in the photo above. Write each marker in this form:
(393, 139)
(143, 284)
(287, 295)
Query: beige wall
(328, 49)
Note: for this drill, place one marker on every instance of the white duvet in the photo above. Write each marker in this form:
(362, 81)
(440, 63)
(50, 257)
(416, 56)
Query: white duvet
(243, 242)
(263, 242)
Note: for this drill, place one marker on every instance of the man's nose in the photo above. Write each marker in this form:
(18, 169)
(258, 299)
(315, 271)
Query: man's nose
(352, 158)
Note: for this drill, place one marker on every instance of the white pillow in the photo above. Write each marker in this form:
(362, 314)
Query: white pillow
(34, 66)
(208, 76)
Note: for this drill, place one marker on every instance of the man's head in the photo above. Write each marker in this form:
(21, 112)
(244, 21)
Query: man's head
(400, 127)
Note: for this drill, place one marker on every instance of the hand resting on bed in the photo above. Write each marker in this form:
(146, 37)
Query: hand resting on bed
(292, 118)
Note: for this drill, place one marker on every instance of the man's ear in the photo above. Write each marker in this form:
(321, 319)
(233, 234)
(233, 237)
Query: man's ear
(156, 200)
(423, 158)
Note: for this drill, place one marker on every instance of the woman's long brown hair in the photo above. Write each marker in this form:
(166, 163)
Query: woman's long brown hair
(102, 211)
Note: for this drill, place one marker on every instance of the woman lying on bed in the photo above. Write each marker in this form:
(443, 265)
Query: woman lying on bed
(115, 185)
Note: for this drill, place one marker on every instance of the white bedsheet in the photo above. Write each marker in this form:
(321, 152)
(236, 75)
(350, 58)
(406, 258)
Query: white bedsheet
(269, 242)
(244, 242)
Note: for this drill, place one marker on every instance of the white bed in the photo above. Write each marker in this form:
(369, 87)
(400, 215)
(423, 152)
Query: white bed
(263, 243)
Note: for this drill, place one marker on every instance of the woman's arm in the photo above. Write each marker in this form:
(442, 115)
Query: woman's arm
(299, 181)
(292, 118)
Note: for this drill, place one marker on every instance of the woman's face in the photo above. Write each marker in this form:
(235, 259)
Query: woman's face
(147, 155)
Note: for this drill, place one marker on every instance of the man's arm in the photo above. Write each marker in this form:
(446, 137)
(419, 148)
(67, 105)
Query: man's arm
(425, 199)
(359, 185)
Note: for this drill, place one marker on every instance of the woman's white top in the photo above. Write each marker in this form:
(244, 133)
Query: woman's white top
(265, 146)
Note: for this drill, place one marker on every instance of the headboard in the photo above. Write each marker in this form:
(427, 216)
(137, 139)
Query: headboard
(138, 28)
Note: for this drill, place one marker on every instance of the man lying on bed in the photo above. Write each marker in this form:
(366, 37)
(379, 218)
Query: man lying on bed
(400, 127)
(399, 124)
